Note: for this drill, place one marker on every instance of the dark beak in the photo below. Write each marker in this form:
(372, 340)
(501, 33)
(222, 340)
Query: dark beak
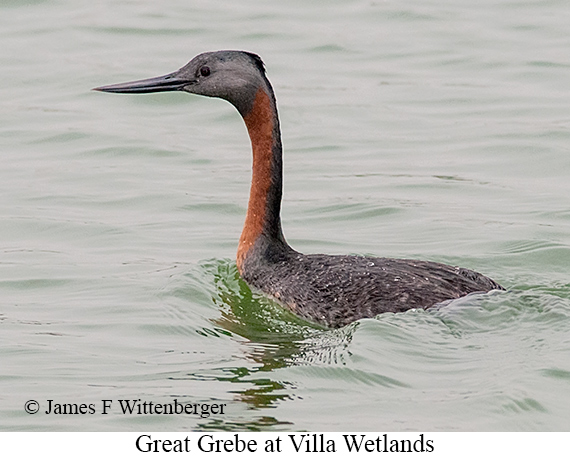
(170, 82)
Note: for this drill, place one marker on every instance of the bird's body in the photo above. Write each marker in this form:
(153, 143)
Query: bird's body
(329, 290)
(335, 290)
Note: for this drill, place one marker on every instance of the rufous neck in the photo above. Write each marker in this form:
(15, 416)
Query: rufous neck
(263, 212)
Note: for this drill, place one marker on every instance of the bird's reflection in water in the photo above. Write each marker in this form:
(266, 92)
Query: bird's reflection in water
(271, 338)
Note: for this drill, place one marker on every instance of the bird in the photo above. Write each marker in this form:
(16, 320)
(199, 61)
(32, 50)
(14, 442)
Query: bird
(328, 290)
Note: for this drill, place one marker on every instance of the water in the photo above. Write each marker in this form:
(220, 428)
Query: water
(430, 130)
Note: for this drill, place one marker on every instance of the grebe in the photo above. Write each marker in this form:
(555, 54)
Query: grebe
(331, 290)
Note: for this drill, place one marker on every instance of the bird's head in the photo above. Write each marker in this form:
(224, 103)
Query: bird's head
(235, 76)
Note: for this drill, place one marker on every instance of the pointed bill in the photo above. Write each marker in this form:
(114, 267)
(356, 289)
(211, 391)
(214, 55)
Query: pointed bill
(169, 82)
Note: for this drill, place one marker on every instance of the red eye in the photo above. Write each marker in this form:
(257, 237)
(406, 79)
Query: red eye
(205, 71)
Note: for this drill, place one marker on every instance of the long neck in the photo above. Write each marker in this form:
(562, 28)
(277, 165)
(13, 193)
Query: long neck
(263, 212)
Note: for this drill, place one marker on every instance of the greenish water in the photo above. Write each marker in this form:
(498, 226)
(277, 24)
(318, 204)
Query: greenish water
(430, 130)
